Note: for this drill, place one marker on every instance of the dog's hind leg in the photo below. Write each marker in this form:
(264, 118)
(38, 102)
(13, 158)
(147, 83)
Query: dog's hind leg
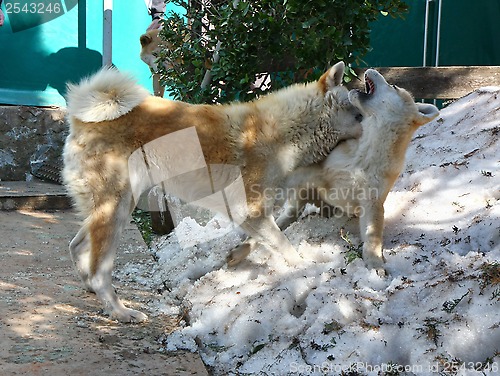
(105, 226)
(264, 230)
(289, 214)
(79, 249)
(301, 188)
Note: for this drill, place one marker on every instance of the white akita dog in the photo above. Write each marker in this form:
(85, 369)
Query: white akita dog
(112, 119)
(359, 173)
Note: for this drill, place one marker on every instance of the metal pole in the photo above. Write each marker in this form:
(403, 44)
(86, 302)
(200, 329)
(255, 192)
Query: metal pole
(107, 34)
(82, 24)
(438, 37)
(426, 32)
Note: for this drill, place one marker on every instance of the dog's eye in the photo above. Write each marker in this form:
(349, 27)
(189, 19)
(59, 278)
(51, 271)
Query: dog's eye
(359, 118)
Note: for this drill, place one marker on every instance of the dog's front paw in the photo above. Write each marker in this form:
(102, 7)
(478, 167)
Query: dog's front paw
(378, 264)
(238, 254)
(292, 257)
(379, 269)
(129, 315)
(381, 272)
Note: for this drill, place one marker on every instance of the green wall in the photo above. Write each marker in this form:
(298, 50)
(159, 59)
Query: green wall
(42, 49)
(469, 35)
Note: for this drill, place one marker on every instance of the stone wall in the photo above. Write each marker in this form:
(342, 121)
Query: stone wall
(31, 141)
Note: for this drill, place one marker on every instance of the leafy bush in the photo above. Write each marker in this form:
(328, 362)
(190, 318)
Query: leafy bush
(285, 41)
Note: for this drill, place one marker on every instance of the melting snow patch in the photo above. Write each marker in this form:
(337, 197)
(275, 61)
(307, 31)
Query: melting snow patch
(439, 310)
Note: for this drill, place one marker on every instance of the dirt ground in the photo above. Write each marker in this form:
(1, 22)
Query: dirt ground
(49, 325)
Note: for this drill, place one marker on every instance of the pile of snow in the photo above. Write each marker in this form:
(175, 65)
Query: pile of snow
(438, 310)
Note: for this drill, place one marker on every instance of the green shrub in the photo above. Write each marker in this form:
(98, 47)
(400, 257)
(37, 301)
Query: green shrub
(289, 40)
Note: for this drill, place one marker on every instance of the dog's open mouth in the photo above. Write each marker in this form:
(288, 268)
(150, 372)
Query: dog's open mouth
(369, 86)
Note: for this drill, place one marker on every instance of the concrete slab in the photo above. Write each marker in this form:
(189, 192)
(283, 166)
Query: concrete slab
(33, 195)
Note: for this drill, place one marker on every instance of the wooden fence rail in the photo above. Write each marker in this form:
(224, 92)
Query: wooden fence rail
(437, 82)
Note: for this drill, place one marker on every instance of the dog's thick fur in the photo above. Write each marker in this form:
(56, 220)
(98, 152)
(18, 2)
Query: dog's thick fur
(359, 173)
(111, 117)
(151, 44)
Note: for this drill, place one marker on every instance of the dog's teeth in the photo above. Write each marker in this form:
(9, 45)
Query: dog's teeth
(370, 86)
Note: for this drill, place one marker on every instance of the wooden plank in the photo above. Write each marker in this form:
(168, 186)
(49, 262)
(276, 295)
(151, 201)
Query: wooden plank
(437, 82)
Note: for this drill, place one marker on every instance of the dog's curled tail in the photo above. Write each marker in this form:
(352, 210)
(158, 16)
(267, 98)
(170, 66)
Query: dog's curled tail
(106, 95)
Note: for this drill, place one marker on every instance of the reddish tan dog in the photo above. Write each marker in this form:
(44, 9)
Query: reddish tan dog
(151, 43)
(111, 118)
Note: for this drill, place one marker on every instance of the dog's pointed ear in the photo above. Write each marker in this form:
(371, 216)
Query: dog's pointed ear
(426, 112)
(332, 77)
(145, 39)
